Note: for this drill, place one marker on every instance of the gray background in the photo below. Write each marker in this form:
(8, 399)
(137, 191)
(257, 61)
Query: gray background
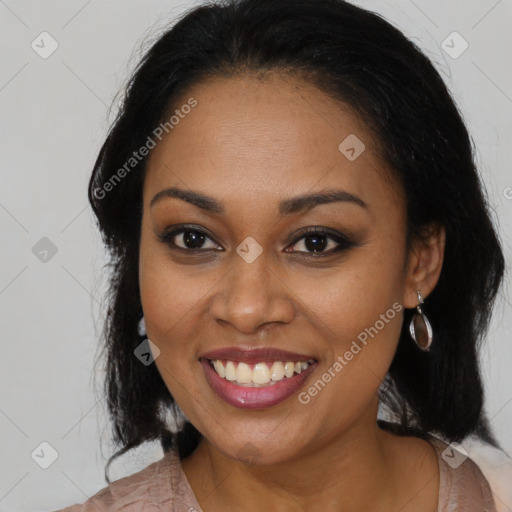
(55, 113)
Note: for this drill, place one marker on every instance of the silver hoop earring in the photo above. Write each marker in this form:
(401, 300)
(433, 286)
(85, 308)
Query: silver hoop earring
(420, 328)
(141, 329)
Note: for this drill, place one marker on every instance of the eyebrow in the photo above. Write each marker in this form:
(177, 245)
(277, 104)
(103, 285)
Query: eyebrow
(288, 206)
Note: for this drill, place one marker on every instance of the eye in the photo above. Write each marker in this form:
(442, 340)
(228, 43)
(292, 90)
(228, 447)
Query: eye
(187, 239)
(316, 241)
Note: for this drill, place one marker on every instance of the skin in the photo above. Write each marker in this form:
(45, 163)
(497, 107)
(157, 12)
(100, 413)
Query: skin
(250, 143)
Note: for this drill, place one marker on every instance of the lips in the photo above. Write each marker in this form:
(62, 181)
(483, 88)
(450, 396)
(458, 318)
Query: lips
(266, 389)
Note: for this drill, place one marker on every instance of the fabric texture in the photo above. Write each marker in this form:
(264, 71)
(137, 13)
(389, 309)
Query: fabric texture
(496, 466)
(163, 487)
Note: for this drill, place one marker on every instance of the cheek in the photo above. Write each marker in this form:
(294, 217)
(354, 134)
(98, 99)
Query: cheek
(352, 296)
(360, 319)
(171, 302)
(170, 296)
(357, 308)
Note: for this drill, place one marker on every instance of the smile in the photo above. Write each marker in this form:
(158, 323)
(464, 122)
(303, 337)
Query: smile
(259, 374)
(257, 377)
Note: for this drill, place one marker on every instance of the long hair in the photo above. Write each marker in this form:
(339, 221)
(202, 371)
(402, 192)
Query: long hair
(358, 58)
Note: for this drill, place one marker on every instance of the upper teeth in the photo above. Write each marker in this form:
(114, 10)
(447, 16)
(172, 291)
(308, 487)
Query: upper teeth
(261, 373)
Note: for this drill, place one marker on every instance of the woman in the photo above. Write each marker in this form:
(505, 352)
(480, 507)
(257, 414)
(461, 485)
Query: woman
(300, 242)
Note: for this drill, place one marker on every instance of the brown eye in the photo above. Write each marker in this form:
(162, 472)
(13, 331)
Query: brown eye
(187, 239)
(314, 241)
(322, 241)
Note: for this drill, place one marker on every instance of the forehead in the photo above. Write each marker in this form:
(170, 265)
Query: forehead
(257, 139)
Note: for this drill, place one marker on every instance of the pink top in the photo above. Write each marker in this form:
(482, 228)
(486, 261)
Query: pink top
(163, 486)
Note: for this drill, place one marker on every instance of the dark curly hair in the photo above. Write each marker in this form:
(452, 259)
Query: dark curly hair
(360, 59)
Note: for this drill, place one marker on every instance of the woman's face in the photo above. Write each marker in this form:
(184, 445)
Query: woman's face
(256, 285)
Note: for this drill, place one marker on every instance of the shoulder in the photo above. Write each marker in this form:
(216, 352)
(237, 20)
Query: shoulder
(496, 466)
(150, 488)
(473, 473)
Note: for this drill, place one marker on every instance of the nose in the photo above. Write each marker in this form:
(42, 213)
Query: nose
(253, 297)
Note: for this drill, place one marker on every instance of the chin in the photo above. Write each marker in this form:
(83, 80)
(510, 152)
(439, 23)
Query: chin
(264, 451)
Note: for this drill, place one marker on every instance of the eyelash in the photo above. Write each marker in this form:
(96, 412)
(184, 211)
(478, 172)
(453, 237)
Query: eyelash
(344, 242)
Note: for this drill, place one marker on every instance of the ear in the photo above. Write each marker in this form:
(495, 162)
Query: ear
(424, 264)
